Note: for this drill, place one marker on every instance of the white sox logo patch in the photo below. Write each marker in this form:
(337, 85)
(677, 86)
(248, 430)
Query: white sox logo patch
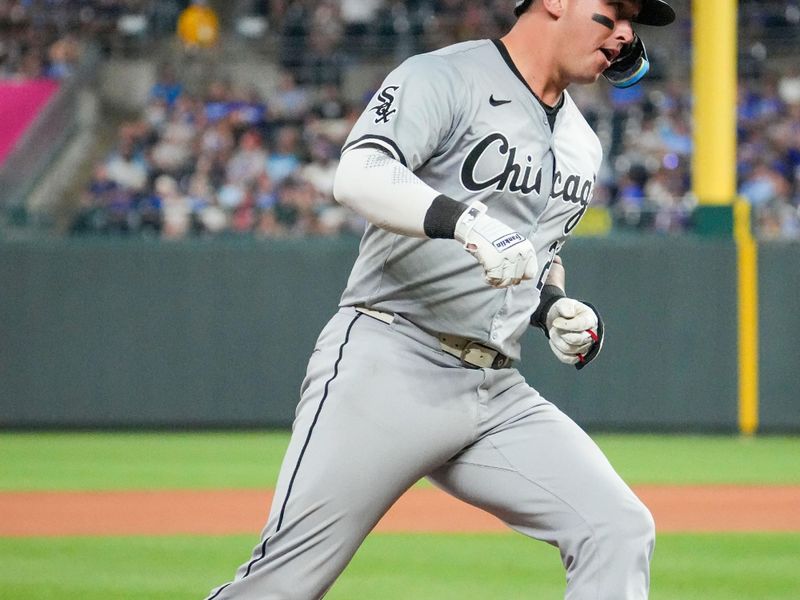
(384, 110)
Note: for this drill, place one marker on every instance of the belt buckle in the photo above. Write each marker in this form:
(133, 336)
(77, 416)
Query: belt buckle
(467, 347)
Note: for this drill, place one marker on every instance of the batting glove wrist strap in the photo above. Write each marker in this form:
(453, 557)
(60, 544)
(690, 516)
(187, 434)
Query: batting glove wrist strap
(506, 256)
(548, 297)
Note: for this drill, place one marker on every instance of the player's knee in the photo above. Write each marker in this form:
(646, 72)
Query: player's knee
(632, 528)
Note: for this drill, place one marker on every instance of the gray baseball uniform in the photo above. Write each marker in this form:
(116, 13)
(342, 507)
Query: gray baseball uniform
(385, 402)
(493, 144)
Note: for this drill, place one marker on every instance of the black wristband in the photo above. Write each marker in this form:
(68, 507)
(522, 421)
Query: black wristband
(548, 297)
(442, 216)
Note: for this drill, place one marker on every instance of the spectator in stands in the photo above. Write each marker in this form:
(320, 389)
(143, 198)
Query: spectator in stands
(321, 170)
(176, 208)
(265, 193)
(208, 217)
(249, 162)
(789, 87)
(290, 102)
(219, 101)
(329, 103)
(764, 186)
(172, 153)
(91, 214)
(284, 159)
(249, 111)
(668, 202)
(231, 195)
(359, 18)
(217, 139)
(126, 169)
(63, 57)
(167, 88)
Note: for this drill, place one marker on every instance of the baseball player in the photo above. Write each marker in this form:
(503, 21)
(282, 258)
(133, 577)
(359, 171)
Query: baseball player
(472, 165)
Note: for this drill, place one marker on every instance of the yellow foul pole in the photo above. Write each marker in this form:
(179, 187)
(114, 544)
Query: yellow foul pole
(714, 177)
(714, 85)
(747, 254)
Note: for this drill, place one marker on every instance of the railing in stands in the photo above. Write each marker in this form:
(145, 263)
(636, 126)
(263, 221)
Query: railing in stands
(42, 142)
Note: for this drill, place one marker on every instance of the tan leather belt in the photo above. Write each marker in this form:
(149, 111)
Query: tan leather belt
(376, 314)
(469, 352)
(473, 353)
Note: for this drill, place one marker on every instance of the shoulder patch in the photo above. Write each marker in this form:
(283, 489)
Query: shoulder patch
(383, 109)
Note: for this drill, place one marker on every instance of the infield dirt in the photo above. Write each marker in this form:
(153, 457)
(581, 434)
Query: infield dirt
(715, 508)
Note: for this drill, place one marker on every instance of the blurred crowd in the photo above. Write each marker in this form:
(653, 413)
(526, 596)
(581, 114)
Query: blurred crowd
(228, 161)
(768, 168)
(231, 162)
(318, 37)
(225, 163)
(35, 42)
(646, 180)
(44, 38)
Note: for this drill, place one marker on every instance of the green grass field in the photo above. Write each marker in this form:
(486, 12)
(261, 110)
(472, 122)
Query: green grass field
(388, 566)
(119, 461)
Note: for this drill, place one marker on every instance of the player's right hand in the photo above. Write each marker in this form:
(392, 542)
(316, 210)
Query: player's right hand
(506, 255)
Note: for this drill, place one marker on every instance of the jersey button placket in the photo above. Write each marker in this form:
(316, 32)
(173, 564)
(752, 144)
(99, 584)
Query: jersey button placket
(497, 320)
(495, 325)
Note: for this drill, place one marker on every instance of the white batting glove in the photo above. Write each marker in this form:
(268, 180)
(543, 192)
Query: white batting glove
(573, 330)
(506, 255)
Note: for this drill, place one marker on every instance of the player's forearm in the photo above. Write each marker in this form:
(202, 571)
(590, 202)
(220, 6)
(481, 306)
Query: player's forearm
(557, 275)
(392, 197)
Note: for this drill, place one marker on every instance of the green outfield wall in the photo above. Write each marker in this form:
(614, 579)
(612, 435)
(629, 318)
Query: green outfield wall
(208, 333)
(779, 321)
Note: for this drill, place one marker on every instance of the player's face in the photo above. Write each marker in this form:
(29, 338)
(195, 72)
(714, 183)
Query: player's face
(597, 30)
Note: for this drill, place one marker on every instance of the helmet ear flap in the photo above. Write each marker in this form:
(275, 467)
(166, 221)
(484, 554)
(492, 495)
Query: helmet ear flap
(630, 66)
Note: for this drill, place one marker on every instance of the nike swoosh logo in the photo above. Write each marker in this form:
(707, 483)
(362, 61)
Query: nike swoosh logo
(494, 102)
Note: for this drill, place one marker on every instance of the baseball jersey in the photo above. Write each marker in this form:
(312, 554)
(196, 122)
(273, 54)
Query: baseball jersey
(464, 120)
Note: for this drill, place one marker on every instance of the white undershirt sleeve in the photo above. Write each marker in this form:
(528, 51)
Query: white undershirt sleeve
(383, 191)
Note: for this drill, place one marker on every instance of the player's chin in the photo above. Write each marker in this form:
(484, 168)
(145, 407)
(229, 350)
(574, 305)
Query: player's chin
(593, 69)
(588, 76)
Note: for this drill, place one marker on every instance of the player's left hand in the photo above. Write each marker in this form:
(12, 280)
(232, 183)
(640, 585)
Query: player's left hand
(575, 330)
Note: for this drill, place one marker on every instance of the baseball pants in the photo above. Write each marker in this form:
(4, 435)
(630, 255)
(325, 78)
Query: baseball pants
(383, 406)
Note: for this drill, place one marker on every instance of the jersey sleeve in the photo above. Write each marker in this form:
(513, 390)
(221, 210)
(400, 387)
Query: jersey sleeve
(412, 114)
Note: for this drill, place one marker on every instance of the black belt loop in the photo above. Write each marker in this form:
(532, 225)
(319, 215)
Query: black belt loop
(501, 361)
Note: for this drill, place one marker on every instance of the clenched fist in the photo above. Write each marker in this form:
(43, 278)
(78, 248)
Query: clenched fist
(575, 331)
(506, 255)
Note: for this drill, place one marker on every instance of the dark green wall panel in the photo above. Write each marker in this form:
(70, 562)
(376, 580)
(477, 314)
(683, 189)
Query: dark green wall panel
(108, 333)
(217, 333)
(779, 327)
(669, 356)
